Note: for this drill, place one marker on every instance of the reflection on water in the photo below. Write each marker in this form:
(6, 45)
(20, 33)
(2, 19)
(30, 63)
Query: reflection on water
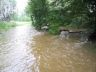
(23, 49)
(15, 50)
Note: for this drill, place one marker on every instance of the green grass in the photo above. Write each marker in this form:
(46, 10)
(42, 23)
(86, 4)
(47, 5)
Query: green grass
(7, 25)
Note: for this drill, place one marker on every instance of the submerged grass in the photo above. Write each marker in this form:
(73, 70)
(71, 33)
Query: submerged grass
(7, 25)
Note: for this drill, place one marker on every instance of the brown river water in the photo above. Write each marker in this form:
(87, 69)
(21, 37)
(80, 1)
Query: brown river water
(23, 49)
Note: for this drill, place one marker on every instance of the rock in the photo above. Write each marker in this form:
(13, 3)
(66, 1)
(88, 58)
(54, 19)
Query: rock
(44, 28)
(64, 34)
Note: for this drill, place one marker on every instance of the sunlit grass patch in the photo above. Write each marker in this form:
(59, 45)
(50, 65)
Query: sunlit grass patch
(7, 25)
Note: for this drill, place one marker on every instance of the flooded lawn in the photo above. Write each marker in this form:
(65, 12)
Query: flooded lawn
(56, 55)
(23, 49)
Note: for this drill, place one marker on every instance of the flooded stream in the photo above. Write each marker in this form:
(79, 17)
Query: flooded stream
(23, 49)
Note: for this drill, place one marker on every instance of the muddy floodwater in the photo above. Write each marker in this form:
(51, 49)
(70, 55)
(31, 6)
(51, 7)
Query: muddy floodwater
(23, 49)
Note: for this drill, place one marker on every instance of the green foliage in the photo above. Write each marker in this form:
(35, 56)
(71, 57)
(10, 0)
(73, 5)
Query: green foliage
(7, 8)
(23, 18)
(7, 25)
(66, 13)
(76, 13)
(38, 10)
(54, 28)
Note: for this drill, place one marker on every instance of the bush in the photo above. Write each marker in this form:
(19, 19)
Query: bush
(7, 25)
(54, 28)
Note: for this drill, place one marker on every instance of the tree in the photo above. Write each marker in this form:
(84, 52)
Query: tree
(6, 9)
(70, 13)
(38, 10)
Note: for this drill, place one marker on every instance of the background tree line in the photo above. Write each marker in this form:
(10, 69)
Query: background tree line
(7, 8)
(65, 13)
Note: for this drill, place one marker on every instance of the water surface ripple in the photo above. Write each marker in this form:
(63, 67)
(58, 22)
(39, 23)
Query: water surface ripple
(23, 49)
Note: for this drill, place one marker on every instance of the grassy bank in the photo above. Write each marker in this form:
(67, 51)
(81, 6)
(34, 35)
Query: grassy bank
(7, 25)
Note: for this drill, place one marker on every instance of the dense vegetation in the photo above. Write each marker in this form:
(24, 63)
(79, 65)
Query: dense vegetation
(38, 10)
(65, 13)
(22, 17)
(7, 9)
